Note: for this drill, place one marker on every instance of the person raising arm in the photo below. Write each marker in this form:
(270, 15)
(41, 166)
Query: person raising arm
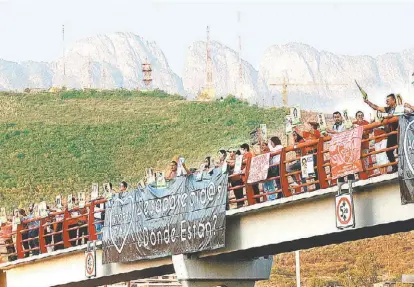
(392, 139)
(374, 106)
(391, 103)
(339, 125)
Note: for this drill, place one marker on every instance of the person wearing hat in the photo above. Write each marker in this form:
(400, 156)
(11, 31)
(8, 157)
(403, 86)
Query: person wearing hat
(313, 132)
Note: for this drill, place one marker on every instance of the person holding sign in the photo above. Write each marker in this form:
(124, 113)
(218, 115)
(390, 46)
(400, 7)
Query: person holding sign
(339, 125)
(312, 132)
(360, 120)
(296, 165)
(123, 186)
(247, 156)
(222, 163)
(392, 140)
(34, 230)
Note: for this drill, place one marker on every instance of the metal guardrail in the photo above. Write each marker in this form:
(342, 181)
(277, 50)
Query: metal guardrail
(67, 230)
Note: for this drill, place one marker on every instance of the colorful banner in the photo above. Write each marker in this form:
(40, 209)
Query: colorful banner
(185, 217)
(259, 167)
(345, 152)
(406, 159)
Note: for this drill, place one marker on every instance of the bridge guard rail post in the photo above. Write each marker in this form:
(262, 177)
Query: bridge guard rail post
(284, 182)
(65, 232)
(91, 222)
(3, 281)
(19, 244)
(320, 165)
(42, 243)
(206, 272)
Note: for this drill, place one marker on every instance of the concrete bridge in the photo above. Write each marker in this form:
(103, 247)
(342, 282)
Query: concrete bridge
(254, 233)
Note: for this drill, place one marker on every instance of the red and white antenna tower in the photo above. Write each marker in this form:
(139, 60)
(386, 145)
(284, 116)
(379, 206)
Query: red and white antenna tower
(147, 72)
(209, 63)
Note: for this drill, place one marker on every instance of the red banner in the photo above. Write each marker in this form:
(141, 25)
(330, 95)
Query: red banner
(345, 152)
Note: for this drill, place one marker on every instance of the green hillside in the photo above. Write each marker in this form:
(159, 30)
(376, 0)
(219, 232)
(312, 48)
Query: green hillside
(61, 143)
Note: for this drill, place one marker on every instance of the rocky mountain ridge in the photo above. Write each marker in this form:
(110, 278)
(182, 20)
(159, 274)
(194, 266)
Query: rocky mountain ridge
(315, 79)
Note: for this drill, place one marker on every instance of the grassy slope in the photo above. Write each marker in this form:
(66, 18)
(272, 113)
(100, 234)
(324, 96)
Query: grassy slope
(61, 143)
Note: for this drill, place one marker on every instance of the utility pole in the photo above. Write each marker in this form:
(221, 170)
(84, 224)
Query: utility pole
(297, 268)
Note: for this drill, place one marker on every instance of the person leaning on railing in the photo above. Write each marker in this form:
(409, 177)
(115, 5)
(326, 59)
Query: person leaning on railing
(313, 133)
(33, 234)
(6, 237)
(360, 121)
(25, 235)
(392, 140)
(274, 145)
(234, 181)
(57, 227)
(295, 165)
(247, 157)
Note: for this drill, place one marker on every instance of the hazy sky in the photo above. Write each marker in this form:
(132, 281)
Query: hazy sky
(31, 29)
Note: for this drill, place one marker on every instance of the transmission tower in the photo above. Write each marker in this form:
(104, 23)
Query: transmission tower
(209, 64)
(147, 72)
(64, 59)
(90, 76)
(240, 80)
(103, 77)
(208, 92)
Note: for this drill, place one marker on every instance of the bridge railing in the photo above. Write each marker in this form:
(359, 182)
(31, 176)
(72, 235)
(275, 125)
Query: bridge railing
(291, 180)
(64, 228)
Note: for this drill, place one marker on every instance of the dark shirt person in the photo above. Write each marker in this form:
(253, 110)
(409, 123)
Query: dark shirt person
(392, 140)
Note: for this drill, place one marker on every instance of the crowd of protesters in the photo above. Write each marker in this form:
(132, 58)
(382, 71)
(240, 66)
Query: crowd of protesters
(226, 158)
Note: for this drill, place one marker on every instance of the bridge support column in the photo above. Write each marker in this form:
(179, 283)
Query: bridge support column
(3, 281)
(196, 272)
